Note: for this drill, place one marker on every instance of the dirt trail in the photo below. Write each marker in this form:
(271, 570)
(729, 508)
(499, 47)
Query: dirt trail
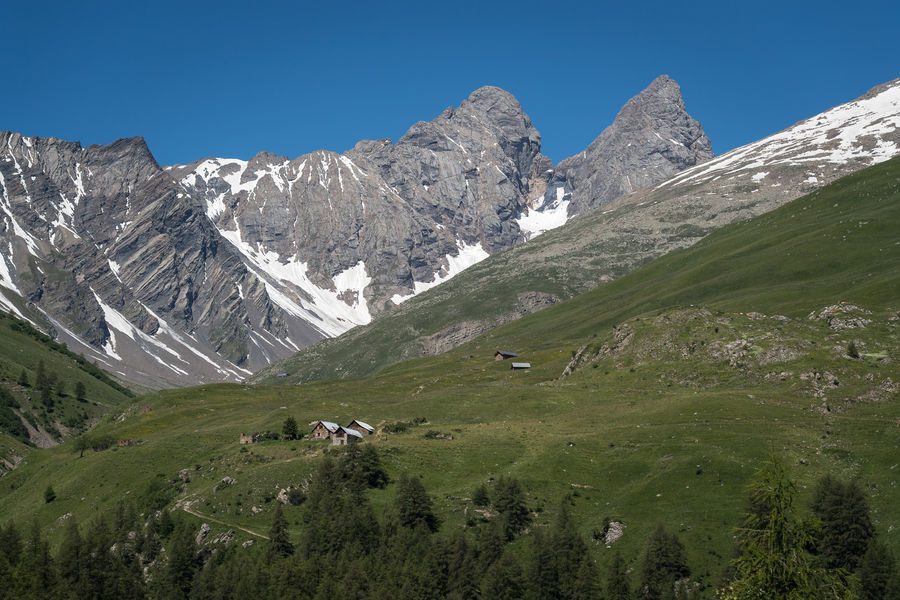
(186, 507)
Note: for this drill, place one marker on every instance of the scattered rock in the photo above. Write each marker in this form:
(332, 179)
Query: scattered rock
(614, 532)
(843, 316)
(225, 537)
(201, 535)
(248, 543)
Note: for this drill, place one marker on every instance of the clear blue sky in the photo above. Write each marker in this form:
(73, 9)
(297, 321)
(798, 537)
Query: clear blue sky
(229, 79)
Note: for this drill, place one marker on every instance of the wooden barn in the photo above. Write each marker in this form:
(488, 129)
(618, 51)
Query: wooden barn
(344, 436)
(504, 354)
(322, 430)
(362, 428)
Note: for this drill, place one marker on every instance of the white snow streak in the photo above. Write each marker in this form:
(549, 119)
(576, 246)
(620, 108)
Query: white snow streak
(550, 216)
(468, 255)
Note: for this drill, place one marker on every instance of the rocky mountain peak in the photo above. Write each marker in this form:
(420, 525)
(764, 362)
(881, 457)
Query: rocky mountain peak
(652, 138)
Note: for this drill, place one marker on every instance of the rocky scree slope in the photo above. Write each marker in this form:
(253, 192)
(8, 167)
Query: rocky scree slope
(208, 271)
(605, 244)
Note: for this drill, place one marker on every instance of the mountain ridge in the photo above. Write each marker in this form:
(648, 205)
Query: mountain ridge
(588, 251)
(204, 272)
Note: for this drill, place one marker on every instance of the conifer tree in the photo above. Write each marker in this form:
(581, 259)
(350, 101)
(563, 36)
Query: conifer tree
(280, 545)
(462, 570)
(70, 556)
(289, 429)
(40, 376)
(571, 556)
(503, 580)
(35, 576)
(23, 378)
(480, 496)
(509, 500)
(490, 544)
(543, 574)
(774, 562)
(80, 391)
(845, 527)
(414, 504)
(11, 544)
(664, 563)
(182, 561)
(877, 572)
(617, 587)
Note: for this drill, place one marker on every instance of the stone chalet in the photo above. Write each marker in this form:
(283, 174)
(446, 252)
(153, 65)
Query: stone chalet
(363, 428)
(344, 436)
(322, 430)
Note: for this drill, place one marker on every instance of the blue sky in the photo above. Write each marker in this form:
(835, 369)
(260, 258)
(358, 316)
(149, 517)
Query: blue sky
(229, 79)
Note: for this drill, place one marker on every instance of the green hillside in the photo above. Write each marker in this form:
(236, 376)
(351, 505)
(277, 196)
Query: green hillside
(31, 416)
(685, 374)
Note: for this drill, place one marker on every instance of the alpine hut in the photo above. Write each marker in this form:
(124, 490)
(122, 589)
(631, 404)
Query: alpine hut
(363, 428)
(344, 436)
(322, 430)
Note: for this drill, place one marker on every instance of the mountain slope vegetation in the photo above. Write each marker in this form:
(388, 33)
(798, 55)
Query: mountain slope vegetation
(773, 336)
(47, 393)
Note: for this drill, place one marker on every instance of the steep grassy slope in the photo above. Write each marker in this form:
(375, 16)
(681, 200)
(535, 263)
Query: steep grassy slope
(24, 414)
(663, 420)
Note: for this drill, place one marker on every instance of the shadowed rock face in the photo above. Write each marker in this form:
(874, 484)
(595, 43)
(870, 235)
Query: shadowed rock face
(207, 271)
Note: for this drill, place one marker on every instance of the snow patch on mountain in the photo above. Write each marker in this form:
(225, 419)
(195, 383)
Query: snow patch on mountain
(550, 216)
(852, 131)
(468, 255)
(327, 310)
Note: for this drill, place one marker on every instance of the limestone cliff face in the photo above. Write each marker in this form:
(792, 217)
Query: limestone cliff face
(207, 271)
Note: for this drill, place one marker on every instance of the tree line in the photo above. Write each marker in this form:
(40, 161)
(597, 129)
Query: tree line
(346, 551)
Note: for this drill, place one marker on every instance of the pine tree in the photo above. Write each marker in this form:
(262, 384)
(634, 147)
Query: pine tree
(664, 563)
(182, 561)
(543, 573)
(480, 496)
(490, 544)
(414, 504)
(35, 575)
(617, 587)
(61, 388)
(70, 557)
(11, 544)
(573, 567)
(289, 429)
(80, 392)
(876, 573)
(40, 376)
(503, 580)
(773, 562)
(280, 545)
(23, 378)
(47, 397)
(845, 525)
(462, 570)
(509, 500)
(49, 494)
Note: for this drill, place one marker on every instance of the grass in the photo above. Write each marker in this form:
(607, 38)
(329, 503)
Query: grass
(666, 428)
(21, 349)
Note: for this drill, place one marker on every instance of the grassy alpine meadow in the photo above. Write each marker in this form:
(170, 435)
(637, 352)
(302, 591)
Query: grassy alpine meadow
(651, 400)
